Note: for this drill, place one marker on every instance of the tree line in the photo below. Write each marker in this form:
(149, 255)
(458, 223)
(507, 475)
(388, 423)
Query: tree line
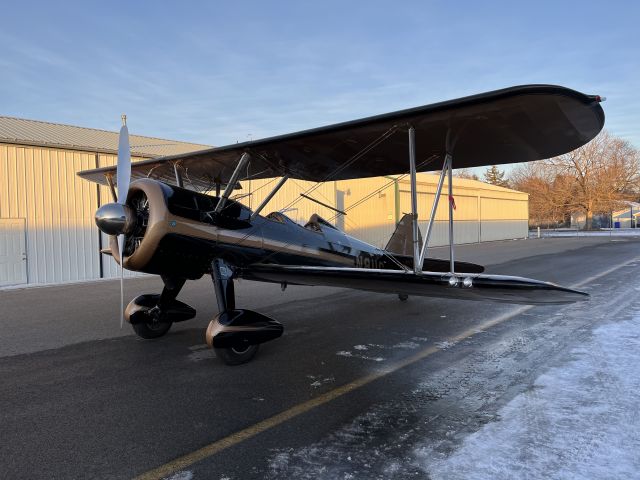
(593, 179)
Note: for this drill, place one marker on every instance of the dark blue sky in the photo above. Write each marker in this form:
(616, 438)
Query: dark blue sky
(216, 73)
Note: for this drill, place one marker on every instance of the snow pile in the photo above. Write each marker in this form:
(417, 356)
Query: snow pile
(616, 232)
(580, 420)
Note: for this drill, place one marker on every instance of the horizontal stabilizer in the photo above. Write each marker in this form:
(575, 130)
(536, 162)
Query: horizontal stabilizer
(495, 288)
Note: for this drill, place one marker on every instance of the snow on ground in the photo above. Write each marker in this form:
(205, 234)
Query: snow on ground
(181, 475)
(578, 421)
(616, 232)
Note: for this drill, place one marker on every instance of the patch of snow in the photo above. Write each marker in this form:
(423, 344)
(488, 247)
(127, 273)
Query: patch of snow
(181, 475)
(322, 381)
(405, 345)
(616, 232)
(420, 339)
(577, 421)
(444, 345)
(280, 462)
(360, 347)
(347, 353)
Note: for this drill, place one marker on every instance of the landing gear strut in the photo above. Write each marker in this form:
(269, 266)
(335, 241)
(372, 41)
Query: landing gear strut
(151, 316)
(236, 334)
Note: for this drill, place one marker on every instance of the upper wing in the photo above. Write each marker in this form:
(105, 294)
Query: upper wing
(495, 288)
(517, 124)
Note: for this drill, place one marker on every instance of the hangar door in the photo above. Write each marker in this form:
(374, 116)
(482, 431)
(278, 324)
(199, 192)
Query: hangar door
(13, 256)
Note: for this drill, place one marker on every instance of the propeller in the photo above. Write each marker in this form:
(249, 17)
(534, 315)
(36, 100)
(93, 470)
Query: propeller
(123, 178)
(118, 219)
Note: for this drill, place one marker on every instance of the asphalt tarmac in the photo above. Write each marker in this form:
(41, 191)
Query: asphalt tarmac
(341, 395)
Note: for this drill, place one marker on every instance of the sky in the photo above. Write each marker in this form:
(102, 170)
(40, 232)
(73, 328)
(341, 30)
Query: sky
(220, 72)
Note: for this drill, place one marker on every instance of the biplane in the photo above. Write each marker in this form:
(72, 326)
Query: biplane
(178, 219)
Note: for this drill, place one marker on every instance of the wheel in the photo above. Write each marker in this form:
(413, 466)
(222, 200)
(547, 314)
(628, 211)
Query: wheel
(151, 330)
(237, 355)
(403, 297)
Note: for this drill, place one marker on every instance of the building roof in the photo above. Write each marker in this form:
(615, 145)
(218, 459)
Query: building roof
(462, 183)
(635, 206)
(21, 131)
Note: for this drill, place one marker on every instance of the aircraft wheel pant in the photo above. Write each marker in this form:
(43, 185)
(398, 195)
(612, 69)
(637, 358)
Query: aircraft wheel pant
(235, 335)
(149, 322)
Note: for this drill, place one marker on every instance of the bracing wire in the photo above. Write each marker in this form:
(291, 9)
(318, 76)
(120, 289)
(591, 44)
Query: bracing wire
(332, 174)
(380, 250)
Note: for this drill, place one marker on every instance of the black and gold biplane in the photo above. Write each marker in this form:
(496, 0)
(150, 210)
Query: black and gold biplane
(162, 223)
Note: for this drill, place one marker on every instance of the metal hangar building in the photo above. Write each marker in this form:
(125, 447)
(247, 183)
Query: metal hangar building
(48, 235)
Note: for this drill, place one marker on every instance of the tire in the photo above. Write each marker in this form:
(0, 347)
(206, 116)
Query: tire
(151, 330)
(403, 297)
(237, 356)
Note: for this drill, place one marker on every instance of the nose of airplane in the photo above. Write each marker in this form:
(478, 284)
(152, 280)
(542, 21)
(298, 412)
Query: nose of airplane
(115, 219)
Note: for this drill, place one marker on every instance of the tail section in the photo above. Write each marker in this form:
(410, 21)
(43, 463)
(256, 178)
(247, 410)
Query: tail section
(401, 242)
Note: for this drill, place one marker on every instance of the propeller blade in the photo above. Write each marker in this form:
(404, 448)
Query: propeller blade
(123, 178)
(123, 173)
(121, 251)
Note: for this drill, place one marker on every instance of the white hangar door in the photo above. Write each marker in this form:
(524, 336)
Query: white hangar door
(13, 256)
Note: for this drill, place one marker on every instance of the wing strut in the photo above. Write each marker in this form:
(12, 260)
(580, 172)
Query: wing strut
(178, 174)
(434, 208)
(232, 182)
(451, 206)
(269, 196)
(419, 254)
(112, 188)
(414, 201)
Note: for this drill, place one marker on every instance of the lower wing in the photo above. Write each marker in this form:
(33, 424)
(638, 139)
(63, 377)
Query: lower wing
(494, 288)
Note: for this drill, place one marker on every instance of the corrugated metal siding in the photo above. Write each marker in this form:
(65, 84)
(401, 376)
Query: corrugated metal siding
(466, 228)
(503, 218)
(41, 186)
(297, 208)
(483, 212)
(373, 220)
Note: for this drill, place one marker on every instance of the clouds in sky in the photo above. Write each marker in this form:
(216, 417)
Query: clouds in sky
(215, 74)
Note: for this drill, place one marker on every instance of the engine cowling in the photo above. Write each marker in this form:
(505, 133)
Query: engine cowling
(172, 230)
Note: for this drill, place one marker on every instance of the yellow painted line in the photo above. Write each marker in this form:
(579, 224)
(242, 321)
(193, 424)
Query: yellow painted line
(280, 418)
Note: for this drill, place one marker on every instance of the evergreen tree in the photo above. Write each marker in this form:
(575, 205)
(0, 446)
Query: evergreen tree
(495, 177)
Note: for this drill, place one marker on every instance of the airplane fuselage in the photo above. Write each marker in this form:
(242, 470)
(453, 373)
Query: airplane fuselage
(179, 234)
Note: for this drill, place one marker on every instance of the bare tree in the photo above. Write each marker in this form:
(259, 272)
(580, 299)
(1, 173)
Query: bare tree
(465, 173)
(592, 179)
(547, 193)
